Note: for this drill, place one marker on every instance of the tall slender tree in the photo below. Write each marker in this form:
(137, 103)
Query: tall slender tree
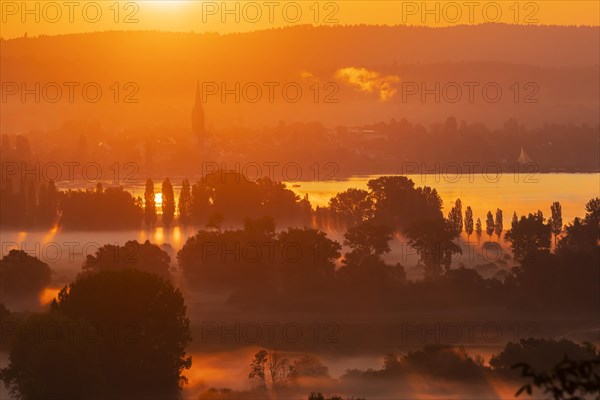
(279, 368)
(478, 229)
(498, 226)
(556, 221)
(490, 226)
(168, 202)
(469, 222)
(455, 218)
(149, 205)
(258, 369)
(185, 203)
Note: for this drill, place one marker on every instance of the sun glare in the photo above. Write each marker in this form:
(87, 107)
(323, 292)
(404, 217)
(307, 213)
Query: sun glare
(198, 168)
(158, 199)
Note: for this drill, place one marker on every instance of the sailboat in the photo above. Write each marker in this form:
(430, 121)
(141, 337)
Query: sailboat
(524, 158)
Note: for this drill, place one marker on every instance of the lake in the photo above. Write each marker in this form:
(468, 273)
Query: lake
(65, 251)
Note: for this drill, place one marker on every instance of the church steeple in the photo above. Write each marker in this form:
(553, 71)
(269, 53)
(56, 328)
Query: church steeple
(198, 115)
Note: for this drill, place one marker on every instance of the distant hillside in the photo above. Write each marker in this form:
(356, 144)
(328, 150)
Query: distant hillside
(536, 45)
(563, 62)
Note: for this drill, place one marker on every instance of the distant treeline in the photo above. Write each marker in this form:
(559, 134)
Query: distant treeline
(398, 146)
(260, 269)
(561, 367)
(216, 198)
(302, 268)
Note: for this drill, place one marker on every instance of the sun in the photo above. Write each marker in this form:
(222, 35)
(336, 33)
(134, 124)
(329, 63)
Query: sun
(158, 199)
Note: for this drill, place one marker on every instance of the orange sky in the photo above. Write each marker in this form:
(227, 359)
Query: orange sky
(69, 16)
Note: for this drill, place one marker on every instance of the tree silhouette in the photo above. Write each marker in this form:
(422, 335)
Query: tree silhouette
(63, 367)
(556, 219)
(309, 264)
(151, 321)
(541, 353)
(111, 208)
(436, 361)
(308, 366)
(262, 226)
(47, 204)
(577, 376)
(185, 203)
(582, 234)
(434, 241)
(203, 194)
(351, 207)
(443, 361)
(168, 202)
(451, 126)
(568, 380)
(220, 193)
(478, 229)
(22, 275)
(149, 205)
(398, 203)
(366, 239)
(529, 236)
(469, 222)
(455, 218)
(145, 257)
(490, 226)
(258, 367)
(592, 211)
(135, 349)
(498, 226)
(279, 368)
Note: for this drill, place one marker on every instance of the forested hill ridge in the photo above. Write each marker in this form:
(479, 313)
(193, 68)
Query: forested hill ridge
(518, 44)
(347, 75)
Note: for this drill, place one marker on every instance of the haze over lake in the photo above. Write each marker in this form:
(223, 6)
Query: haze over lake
(326, 200)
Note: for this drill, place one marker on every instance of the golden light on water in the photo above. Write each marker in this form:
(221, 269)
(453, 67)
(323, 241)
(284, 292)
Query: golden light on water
(176, 235)
(159, 235)
(48, 294)
(220, 369)
(509, 192)
(51, 233)
(379, 89)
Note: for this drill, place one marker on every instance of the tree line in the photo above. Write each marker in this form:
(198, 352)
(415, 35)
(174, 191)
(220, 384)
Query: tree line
(315, 278)
(217, 198)
(561, 368)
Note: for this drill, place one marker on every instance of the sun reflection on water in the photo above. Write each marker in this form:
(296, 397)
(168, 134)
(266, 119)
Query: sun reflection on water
(48, 294)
